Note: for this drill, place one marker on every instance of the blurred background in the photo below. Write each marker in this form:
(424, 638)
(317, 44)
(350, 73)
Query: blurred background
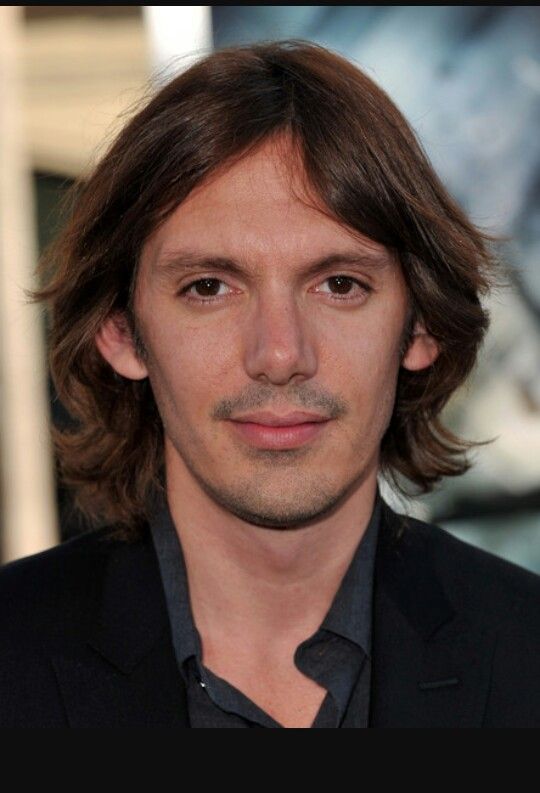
(466, 78)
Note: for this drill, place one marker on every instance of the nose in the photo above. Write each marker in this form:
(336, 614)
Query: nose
(279, 343)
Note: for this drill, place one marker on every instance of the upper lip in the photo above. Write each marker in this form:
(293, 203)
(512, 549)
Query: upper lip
(287, 420)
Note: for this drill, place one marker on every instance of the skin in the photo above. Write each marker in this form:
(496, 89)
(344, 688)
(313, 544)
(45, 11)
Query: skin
(267, 535)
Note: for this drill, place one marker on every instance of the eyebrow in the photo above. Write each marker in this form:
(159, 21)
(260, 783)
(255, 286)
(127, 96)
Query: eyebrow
(179, 262)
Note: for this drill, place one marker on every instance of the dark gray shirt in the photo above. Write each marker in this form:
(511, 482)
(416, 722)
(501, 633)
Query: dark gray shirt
(337, 655)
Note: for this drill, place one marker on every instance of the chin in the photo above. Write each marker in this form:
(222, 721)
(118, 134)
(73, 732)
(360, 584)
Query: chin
(278, 510)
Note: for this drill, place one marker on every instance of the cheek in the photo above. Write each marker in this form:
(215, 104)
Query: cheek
(192, 365)
(365, 371)
(366, 356)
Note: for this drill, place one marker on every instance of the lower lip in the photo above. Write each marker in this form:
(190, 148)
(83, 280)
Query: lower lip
(266, 437)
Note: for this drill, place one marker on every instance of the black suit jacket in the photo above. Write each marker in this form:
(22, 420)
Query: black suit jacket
(85, 639)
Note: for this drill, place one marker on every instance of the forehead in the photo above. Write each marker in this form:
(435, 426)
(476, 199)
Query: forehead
(259, 206)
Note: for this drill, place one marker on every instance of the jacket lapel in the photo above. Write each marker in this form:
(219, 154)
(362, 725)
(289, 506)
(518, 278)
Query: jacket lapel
(123, 673)
(431, 664)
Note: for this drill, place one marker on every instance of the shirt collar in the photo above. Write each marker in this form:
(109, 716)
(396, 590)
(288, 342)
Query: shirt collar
(350, 612)
(186, 639)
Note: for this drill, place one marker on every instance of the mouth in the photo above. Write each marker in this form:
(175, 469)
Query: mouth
(264, 436)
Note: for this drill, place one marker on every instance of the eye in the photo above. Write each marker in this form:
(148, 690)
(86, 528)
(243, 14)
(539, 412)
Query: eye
(206, 288)
(343, 285)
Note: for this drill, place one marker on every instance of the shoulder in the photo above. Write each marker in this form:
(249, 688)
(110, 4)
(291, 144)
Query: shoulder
(50, 603)
(51, 587)
(42, 569)
(498, 590)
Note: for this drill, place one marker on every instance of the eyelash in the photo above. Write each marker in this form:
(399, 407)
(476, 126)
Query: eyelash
(184, 291)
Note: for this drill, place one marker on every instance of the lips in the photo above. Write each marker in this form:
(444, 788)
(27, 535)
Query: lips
(288, 420)
(279, 436)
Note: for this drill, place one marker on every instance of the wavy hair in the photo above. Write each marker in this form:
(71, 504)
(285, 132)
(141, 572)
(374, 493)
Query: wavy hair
(361, 158)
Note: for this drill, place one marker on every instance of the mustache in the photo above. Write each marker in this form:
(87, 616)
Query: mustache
(330, 408)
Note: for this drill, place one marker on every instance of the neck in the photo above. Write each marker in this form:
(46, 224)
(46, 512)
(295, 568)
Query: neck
(269, 585)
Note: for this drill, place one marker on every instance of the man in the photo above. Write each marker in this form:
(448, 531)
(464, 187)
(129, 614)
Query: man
(260, 305)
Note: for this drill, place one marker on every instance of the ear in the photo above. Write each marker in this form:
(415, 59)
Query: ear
(422, 351)
(115, 343)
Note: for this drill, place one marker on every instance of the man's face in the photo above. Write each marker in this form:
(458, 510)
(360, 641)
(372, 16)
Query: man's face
(273, 337)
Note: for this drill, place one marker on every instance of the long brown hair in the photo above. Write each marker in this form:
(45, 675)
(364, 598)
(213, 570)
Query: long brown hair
(360, 157)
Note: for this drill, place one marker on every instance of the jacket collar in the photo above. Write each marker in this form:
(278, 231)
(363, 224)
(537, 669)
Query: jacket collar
(124, 674)
(404, 568)
(430, 664)
(132, 615)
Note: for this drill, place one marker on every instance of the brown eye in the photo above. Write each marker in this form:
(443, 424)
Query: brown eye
(205, 287)
(342, 282)
(345, 287)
